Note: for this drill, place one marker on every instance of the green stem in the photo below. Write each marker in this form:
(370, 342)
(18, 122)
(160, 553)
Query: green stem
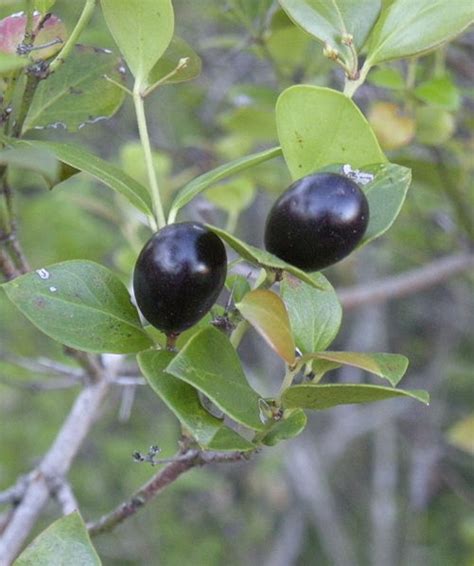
(76, 32)
(28, 39)
(183, 63)
(32, 82)
(145, 141)
(351, 85)
(239, 333)
(288, 379)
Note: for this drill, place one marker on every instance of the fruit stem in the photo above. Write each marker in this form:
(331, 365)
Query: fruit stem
(72, 39)
(145, 141)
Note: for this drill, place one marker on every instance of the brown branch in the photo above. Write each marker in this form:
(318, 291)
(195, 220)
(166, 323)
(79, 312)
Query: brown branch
(7, 268)
(181, 464)
(53, 467)
(407, 283)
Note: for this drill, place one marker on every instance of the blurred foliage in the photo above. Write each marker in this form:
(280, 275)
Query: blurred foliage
(232, 515)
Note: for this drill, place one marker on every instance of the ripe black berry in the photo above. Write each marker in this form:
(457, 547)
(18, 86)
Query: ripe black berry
(179, 275)
(318, 221)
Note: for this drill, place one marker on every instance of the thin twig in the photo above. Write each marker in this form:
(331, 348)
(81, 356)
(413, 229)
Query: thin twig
(397, 286)
(178, 466)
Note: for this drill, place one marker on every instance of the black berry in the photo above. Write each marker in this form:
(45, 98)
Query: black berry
(179, 275)
(318, 221)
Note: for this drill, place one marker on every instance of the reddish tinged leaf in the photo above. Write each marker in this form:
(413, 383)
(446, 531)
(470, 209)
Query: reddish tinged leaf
(12, 33)
(267, 313)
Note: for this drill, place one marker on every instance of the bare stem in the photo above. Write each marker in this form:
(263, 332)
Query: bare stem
(145, 141)
(181, 464)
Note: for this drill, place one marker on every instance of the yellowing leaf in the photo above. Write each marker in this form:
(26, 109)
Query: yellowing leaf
(267, 313)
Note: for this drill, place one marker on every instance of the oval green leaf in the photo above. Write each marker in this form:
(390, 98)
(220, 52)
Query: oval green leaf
(183, 400)
(386, 195)
(290, 426)
(389, 366)
(80, 304)
(318, 126)
(142, 30)
(328, 21)
(209, 363)
(78, 93)
(266, 260)
(80, 159)
(312, 396)
(408, 28)
(315, 315)
(177, 50)
(266, 312)
(66, 541)
(199, 184)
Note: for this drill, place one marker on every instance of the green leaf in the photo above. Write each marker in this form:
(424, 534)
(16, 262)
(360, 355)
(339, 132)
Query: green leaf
(142, 29)
(386, 195)
(44, 5)
(290, 426)
(312, 396)
(66, 541)
(183, 400)
(209, 363)
(32, 159)
(388, 77)
(389, 366)
(234, 196)
(178, 49)
(318, 126)
(408, 28)
(266, 260)
(266, 312)
(199, 184)
(440, 92)
(238, 285)
(87, 162)
(78, 93)
(327, 21)
(434, 126)
(80, 304)
(9, 63)
(315, 315)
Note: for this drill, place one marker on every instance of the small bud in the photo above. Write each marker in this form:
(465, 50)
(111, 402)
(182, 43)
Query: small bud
(347, 38)
(183, 63)
(330, 52)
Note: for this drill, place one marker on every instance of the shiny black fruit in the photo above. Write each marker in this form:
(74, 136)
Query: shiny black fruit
(179, 275)
(318, 221)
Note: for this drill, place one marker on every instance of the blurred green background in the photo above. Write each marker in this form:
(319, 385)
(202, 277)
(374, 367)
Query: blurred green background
(388, 484)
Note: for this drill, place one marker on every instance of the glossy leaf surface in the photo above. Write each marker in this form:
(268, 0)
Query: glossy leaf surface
(290, 426)
(319, 126)
(389, 366)
(80, 304)
(315, 315)
(183, 400)
(209, 363)
(266, 312)
(87, 162)
(268, 261)
(312, 396)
